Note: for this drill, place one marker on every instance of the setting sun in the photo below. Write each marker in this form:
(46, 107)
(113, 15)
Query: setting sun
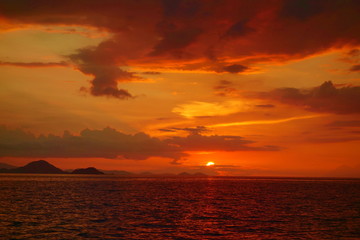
(210, 164)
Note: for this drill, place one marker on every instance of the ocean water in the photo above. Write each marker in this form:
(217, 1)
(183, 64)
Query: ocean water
(110, 207)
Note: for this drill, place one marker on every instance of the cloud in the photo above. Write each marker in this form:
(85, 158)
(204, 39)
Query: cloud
(104, 62)
(151, 73)
(174, 40)
(197, 142)
(177, 28)
(112, 144)
(264, 122)
(235, 68)
(352, 123)
(301, 9)
(226, 88)
(325, 98)
(191, 130)
(34, 64)
(354, 53)
(175, 25)
(352, 56)
(106, 143)
(239, 29)
(197, 35)
(101, 63)
(355, 68)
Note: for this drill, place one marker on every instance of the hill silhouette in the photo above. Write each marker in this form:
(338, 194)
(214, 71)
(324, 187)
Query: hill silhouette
(89, 170)
(40, 166)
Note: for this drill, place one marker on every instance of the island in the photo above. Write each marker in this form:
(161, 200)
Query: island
(89, 170)
(40, 166)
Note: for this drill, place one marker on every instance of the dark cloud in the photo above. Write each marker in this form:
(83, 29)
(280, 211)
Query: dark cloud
(186, 31)
(114, 15)
(325, 98)
(190, 130)
(225, 82)
(106, 143)
(181, 8)
(109, 143)
(178, 23)
(101, 63)
(34, 64)
(151, 73)
(352, 123)
(175, 40)
(301, 9)
(239, 29)
(105, 61)
(355, 68)
(178, 28)
(167, 130)
(352, 57)
(235, 68)
(197, 142)
(330, 24)
(354, 53)
(225, 88)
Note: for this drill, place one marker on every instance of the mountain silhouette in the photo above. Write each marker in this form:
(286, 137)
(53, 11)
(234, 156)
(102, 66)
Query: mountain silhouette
(40, 166)
(89, 170)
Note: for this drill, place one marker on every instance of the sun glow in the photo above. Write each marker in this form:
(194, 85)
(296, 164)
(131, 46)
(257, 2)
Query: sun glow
(210, 164)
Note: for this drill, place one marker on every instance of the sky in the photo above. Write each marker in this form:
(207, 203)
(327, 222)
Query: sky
(259, 87)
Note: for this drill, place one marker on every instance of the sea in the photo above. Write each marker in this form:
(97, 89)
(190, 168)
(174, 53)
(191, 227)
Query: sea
(114, 207)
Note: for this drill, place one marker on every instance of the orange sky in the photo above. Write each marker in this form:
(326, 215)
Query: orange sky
(258, 87)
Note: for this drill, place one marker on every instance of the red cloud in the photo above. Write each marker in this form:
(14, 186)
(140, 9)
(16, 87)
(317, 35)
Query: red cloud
(325, 98)
(103, 67)
(214, 34)
(197, 142)
(355, 68)
(34, 64)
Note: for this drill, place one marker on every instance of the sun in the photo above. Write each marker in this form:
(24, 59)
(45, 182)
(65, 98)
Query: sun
(210, 164)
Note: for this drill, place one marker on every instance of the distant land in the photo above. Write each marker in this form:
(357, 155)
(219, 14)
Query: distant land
(44, 167)
(89, 170)
(40, 166)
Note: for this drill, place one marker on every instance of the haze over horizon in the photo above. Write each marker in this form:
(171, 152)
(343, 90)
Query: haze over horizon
(266, 88)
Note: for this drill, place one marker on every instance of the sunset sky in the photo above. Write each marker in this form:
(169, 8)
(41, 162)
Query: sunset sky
(259, 87)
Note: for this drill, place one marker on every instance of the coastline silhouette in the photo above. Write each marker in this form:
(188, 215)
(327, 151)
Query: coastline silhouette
(43, 167)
